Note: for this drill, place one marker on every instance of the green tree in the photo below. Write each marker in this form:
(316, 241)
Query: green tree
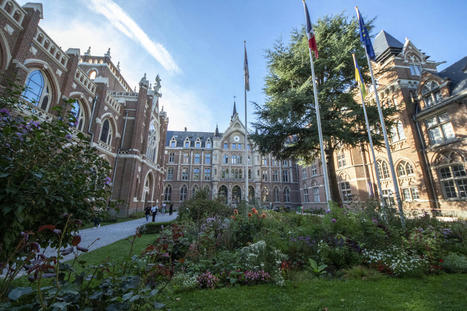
(46, 173)
(286, 125)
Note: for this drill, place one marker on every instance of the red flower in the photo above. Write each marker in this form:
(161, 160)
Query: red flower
(441, 260)
(44, 227)
(249, 215)
(76, 240)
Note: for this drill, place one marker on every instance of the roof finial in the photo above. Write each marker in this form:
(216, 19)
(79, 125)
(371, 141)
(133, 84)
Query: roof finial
(88, 52)
(217, 131)
(234, 108)
(107, 54)
(118, 66)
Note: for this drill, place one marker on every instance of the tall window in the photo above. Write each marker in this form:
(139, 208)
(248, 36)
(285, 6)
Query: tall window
(226, 146)
(286, 194)
(285, 175)
(106, 132)
(207, 158)
(194, 190)
(341, 159)
(387, 197)
(196, 173)
(431, 94)
(208, 143)
(207, 174)
(265, 175)
(415, 68)
(172, 157)
(304, 173)
(198, 143)
(197, 158)
(92, 74)
(168, 193)
(316, 194)
(397, 132)
(78, 113)
(410, 194)
(173, 143)
(346, 191)
(265, 161)
(186, 158)
(404, 168)
(183, 193)
(314, 170)
(305, 195)
(275, 175)
(170, 173)
(285, 163)
(276, 194)
(184, 173)
(453, 181)
(37, 90)
(440, 129)
(383, 169)
(225, 173)
(226, 159)
(186, 144)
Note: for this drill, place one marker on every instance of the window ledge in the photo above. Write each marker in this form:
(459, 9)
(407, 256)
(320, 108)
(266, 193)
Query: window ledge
(446, 142)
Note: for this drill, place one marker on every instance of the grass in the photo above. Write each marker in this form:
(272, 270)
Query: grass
(439, 292)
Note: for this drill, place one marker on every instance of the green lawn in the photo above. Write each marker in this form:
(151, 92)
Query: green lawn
(442, 292)
(117, 250)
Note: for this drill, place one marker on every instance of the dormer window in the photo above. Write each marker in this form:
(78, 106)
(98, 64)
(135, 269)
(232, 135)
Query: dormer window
(208, 143)
(173, 143)
(431, 93)
(198, 143)
(186, 144)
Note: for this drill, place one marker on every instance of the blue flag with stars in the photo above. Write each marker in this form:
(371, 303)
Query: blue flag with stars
(365, 37)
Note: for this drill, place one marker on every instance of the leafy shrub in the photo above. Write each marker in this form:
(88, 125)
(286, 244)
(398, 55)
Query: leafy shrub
(455, 263)
(396, 261)
(316, 269)
(362, 273)
(207, 280)
(184, 282)
(153, 227)
(46, 172)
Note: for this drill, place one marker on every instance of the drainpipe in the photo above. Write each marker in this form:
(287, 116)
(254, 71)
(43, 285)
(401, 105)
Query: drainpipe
(427, 163)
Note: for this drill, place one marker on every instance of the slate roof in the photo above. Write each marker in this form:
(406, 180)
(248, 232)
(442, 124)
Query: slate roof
(457, 73)
(180, 136)
(385, 45)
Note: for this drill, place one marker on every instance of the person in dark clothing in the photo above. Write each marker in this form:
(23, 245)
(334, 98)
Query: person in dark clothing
(147, 212)
(154, 212)
(171, 208)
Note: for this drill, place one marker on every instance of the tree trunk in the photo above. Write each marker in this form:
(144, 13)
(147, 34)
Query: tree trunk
(334, 187)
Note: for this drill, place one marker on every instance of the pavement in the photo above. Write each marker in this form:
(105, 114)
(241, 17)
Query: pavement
(94, 238)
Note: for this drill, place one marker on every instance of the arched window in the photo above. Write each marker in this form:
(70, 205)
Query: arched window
(415, 67)
(208, 143)
(194, 190)
(78, 113)
(92, 74)
(286, 194)
(106, 132)
(37, 90)
(168, 193)
(276, 194)
(173, 142)
(430, 93)
(223, 193)
(198, 143)
(172, 157)
(383, 169)
(186, 144)
(153, 143)
(404, 168)
(183, 193)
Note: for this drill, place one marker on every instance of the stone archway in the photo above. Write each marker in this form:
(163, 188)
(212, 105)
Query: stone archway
(223, 194)
(236, 194)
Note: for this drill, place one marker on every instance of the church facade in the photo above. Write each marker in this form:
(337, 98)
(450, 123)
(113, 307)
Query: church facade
(216, 162)
(124, 125)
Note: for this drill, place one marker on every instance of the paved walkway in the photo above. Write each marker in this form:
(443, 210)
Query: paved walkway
(94, 238)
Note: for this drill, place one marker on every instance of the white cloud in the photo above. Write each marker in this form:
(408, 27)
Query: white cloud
(124, 23)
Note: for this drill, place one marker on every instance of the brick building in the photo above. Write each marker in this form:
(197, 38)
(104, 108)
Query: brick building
(428, 142)
(216, 162)
(125, 126)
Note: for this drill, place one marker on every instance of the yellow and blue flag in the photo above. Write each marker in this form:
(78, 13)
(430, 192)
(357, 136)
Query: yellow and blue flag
(365, 37)
(358, 77)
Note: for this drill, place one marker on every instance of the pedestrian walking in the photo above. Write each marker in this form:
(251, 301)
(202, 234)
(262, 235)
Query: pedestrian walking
(97, 221)
(164, 208)
(147, 212)
(171, 209)
(154, 212)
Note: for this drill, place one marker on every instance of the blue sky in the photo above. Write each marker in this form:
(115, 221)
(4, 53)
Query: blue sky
(197, 45)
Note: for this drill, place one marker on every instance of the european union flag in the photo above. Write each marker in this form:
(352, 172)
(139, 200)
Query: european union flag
(365, 37)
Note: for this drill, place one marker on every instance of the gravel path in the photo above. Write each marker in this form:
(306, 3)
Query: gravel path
(95, 238)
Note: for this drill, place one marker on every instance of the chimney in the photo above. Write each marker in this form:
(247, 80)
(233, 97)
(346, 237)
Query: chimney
(185, 128)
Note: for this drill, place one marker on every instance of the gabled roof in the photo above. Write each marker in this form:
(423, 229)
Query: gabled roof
(457, 74)
(386, 45)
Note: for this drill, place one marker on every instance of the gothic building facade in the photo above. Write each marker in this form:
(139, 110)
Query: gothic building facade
(216, 162)
(428, 142)
(124, 125)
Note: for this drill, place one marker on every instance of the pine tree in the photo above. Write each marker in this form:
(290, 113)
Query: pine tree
(286, 125)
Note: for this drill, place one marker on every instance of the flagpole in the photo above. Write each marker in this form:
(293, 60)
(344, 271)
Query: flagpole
(370, 139)
(386, 142)
(246, 136)
(320, 133)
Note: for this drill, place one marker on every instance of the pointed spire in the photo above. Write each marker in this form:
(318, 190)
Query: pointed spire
(234, 109)
(217, 131)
